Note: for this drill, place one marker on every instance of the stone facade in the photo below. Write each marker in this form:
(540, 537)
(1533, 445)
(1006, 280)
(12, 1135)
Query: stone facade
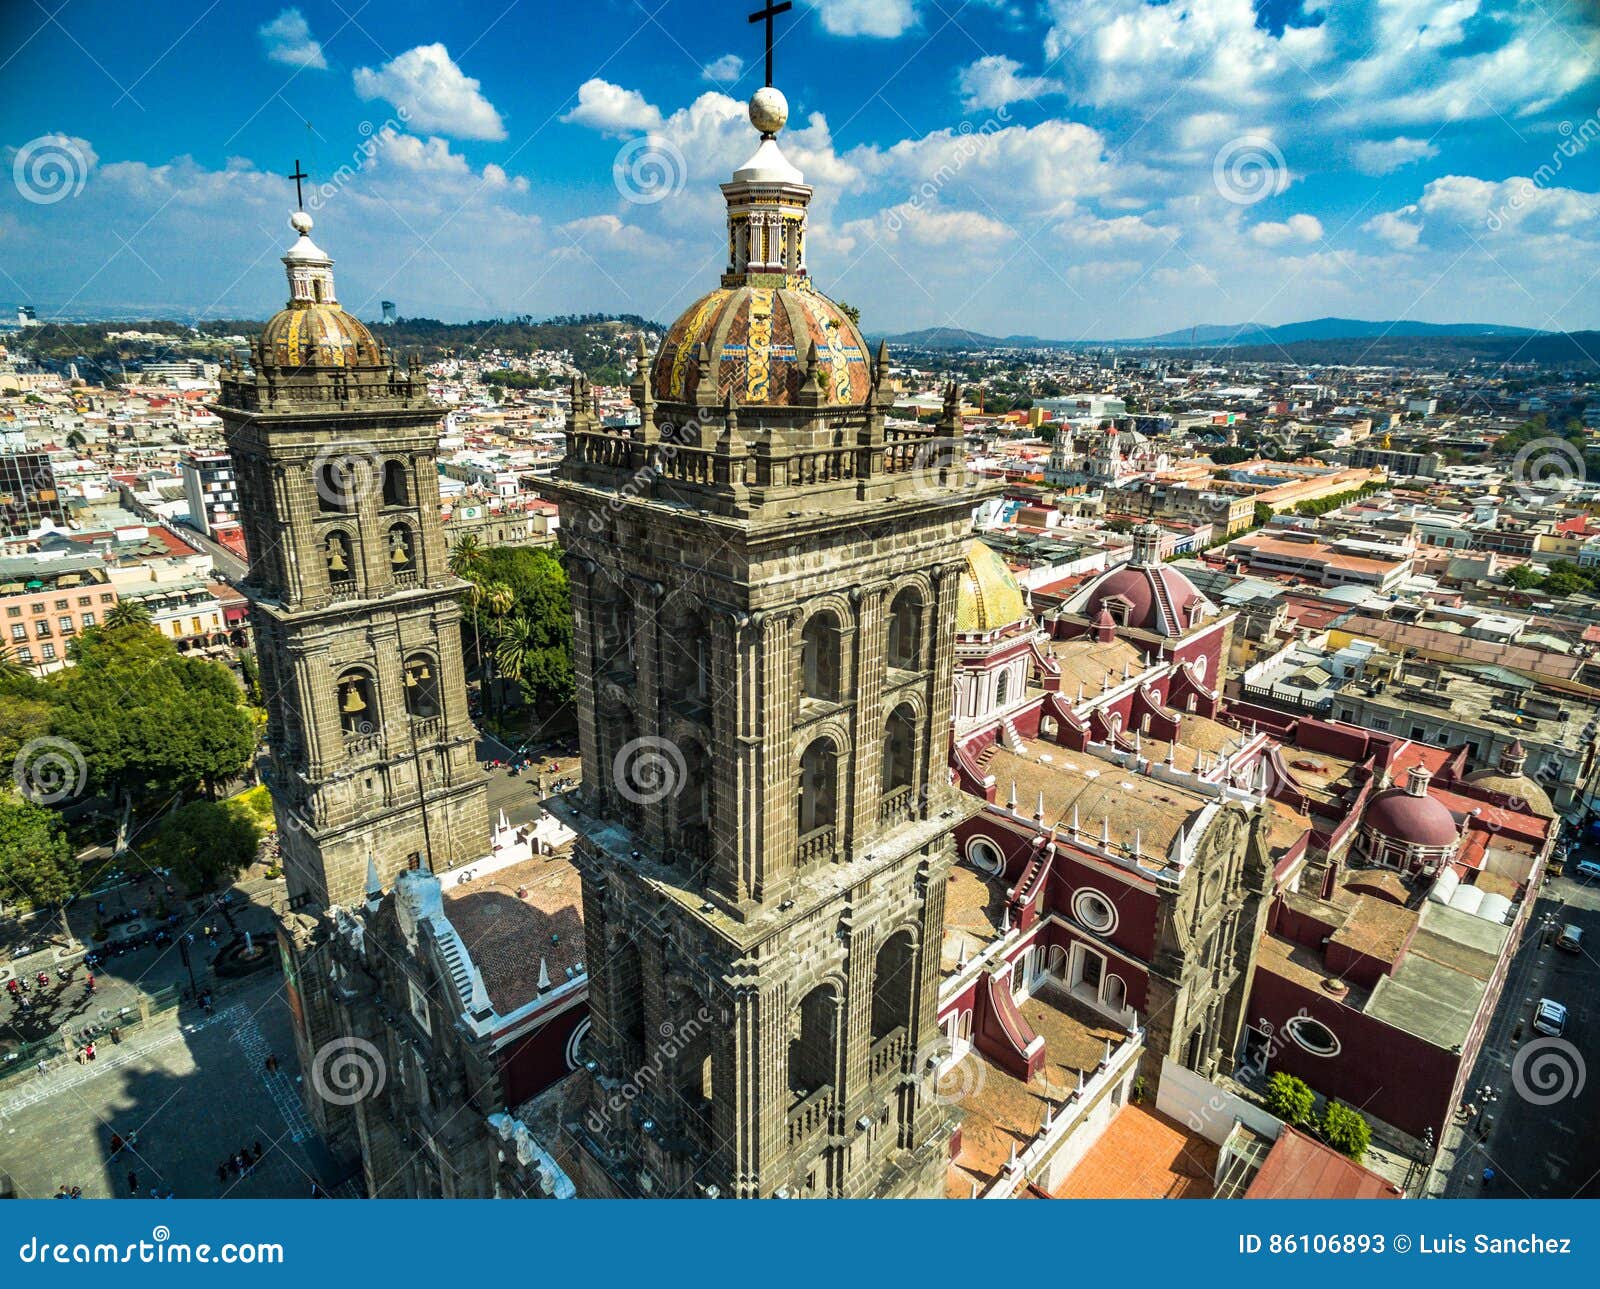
(764, 588)
(356, 618)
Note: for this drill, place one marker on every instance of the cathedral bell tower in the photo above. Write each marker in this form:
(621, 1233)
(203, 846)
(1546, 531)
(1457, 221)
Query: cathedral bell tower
(356, 614)
(764, 579)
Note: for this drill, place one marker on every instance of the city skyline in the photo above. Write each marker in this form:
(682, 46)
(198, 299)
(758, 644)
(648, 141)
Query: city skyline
(1093, 170)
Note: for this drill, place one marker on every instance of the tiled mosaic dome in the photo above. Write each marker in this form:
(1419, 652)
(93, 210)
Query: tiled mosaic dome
(758, 339)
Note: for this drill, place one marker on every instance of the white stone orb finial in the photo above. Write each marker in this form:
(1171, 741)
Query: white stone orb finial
(301, 223)
(769, 110)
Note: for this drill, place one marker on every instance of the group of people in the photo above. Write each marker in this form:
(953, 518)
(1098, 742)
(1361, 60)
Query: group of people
(238, 1165)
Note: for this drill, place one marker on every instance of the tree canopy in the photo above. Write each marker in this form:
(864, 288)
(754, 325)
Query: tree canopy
(36, 863)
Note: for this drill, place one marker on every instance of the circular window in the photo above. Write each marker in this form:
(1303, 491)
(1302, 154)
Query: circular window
(1313, 1036)
(985, 856)
(1094, 911)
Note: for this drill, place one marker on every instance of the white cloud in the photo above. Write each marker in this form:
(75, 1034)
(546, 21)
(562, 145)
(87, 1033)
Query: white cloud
(1394, 228)
(1385, 156)
(1297, 228)
(724, 70)
(613, 110)
(993, 82)
(288, 40)
(434, 93)
(930, 227)
(881, 18)
(432, 156)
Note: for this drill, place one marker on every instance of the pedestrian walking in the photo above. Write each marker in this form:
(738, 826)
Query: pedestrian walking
(116, 1144)
(133, 1182)
(259, 1152)
(222, 1174)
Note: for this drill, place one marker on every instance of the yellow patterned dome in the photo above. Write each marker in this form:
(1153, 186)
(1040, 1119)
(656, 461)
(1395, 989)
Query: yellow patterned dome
(312, 330)
(319, 335)
(757, 339)
(990, 596)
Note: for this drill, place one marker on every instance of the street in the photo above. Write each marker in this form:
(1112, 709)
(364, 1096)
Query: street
(1544, 1105)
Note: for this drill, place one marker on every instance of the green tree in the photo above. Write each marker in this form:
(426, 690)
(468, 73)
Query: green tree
(10, 667)
(1289, 1098)
(1524, 577)
(206, 843)
(36, 863)
(128, 613)
(148, 720)
(1345, 1130)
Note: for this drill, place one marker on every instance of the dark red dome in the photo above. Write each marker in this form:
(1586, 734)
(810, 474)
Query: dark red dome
(1417, 821)
(1165, 612)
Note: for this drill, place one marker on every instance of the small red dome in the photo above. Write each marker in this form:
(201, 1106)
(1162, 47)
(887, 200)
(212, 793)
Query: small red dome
(1417, 821)
(1166, 613)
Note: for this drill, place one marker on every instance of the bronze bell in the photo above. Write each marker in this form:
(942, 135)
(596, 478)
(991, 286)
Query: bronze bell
(336, 559)
(353, 702)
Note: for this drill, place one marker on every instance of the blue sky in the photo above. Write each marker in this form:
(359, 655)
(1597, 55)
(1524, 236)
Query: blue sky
(1071, 168)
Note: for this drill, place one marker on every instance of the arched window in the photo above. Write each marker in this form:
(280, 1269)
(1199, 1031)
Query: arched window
(1002, 689)
(402, 549)
(813, 1042)
(358, 703)
(819, 657)
(627, 1007)
(335, 484)
(340, 558)
(899, 749)
(905, 630)
(819, 774)
(396, 491)
(422, 686)
(893, 984)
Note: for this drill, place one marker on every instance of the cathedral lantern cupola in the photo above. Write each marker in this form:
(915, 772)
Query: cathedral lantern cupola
(767, 202)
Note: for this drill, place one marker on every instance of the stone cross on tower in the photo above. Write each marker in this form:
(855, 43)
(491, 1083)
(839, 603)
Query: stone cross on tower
(764, 15)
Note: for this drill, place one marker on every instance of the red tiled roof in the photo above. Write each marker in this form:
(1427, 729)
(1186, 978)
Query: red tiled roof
(1301, 1167)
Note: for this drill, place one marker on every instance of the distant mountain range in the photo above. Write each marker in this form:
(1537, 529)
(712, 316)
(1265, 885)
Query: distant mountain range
(1215, 335)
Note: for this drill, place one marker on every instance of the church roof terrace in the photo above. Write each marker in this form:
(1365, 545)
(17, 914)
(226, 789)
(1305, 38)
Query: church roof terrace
(518, 920)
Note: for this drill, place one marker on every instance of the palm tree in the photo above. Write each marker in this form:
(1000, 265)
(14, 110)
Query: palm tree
(514, 646)
(127, 613)
(10, 667)
(499, 599)
(466, 562)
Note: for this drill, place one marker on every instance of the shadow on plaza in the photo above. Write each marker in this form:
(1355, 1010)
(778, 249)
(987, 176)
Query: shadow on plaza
(186, 1089)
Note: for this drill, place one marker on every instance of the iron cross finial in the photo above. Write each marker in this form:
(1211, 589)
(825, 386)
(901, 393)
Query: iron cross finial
(767, 15)
(297, 176)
